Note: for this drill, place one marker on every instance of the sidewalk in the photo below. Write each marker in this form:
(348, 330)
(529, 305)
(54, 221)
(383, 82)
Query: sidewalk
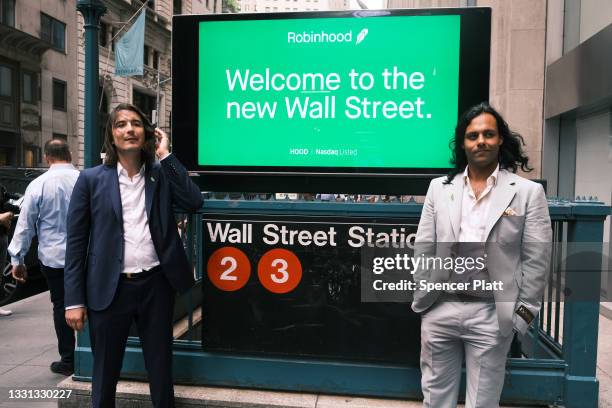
(604, 358)
(27, 347)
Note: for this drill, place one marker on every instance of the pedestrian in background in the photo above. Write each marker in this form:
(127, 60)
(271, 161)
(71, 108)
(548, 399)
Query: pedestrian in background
(43, 213)
(5, 226)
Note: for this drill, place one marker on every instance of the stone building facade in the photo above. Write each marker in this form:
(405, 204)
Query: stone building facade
(38, 93)
(518, 62)
(142, 90)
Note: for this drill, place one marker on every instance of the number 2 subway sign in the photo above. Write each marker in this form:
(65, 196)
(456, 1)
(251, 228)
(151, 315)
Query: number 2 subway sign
(293, 285)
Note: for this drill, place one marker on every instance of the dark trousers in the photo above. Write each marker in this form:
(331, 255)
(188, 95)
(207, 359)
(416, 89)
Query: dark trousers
(149, 302)
(65, 335)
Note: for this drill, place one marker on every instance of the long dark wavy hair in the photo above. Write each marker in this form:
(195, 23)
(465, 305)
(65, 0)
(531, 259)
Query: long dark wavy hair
(511, 154)
(148, 150)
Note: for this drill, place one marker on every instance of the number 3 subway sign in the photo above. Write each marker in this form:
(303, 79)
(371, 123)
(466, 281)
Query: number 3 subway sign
(292, 285)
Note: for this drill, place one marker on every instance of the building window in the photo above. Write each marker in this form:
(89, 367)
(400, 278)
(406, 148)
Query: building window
(145, 102)
(53, 31)
(103, 34)
(59, 95)
(112, 38)
(59, 136)
(147, 52)
(5, 156)
(155, 59)
(8, 114)
(7, 12)
(177, 7)
(6, 81)
(30, 87)
(150, 3)
(31, 156)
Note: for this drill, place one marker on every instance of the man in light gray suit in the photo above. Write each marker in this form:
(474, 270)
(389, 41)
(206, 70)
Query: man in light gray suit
(481, 209)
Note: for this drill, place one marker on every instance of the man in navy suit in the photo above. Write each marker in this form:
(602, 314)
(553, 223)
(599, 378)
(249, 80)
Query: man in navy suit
(124, 257)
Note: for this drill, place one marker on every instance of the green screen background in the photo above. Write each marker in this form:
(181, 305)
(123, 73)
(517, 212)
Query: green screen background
(428, 44)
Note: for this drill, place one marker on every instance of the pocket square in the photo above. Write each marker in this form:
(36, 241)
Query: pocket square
(509, 212)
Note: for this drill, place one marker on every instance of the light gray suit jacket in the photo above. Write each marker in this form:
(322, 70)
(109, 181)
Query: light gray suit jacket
(517, 246)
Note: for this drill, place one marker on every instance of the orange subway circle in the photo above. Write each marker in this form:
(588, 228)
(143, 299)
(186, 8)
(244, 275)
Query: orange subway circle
(228, 268)
(279, 270)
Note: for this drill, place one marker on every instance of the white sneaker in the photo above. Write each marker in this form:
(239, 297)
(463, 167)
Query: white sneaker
(4, 312)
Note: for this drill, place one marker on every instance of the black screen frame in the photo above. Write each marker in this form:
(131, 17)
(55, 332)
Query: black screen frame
(474, 66)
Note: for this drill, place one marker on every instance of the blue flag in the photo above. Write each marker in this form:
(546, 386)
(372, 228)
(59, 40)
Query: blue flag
(129, 50)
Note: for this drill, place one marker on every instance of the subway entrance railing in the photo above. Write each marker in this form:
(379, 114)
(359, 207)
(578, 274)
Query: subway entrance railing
(555, 363)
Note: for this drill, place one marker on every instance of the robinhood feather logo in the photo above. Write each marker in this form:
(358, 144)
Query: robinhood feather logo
(296, 37)
(361, 36)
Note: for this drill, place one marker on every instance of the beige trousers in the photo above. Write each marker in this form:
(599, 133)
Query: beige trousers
(454, 331)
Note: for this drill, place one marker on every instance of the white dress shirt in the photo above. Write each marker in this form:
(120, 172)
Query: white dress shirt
(474, 211)
(139, 252)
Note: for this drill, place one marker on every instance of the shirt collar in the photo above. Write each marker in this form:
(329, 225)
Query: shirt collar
(57, 166)
(122, 170)
(491, 180)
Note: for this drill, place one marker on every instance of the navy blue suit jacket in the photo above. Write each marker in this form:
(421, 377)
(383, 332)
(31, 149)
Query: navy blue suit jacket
(95, 245)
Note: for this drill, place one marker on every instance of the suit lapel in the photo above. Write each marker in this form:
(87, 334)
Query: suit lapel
(455, 199)
(151, 181)
(115, 194)
(501, 196)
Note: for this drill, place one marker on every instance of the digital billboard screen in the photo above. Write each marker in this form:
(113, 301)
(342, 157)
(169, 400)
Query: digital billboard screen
(325, 95)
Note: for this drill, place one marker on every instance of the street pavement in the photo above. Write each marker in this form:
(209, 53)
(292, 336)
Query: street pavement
(28, 346)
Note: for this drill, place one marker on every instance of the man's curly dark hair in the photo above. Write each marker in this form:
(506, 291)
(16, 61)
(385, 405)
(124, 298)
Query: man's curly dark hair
(511, 154)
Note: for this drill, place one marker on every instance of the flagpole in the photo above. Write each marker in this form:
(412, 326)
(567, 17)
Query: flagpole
(157, 121)
(110, 47)
(159, 84)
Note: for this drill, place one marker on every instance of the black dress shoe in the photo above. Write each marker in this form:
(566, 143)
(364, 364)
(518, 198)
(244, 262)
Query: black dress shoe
(62, 368)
